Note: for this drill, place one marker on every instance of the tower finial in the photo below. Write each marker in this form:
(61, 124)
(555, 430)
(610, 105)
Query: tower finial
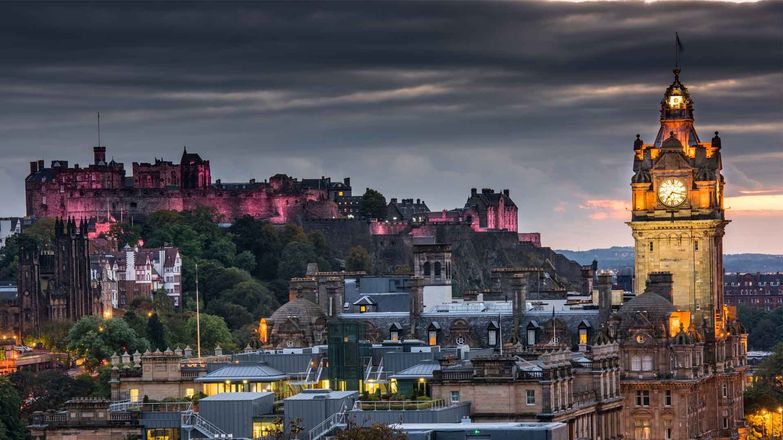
(678, 48)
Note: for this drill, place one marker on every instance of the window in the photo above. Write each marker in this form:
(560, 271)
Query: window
(427, 269)
(651, 246)
(725, 423)
(668, 433)
(725, 390)
(362, 309)
(394, 335)
(531, 397)
(189, 392)
(647, 363)
(641, 430)
(582, 336)
(636, 363)
(432, 338)
(643, 398)
(134, 394)
(531, 336)
(667, 398)
(492, 336)
(696, 245)
(455, 396)
(437, 269)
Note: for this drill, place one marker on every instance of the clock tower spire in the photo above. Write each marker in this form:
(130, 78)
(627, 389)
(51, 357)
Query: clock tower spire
(677, 210)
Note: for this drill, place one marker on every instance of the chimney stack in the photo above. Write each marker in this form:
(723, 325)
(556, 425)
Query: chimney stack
(660, 283)
(473, 192)
(519, 299)
(417, 304)
(604, 296)
(33, 167)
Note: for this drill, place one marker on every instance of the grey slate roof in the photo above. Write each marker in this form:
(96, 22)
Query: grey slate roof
(252, 373)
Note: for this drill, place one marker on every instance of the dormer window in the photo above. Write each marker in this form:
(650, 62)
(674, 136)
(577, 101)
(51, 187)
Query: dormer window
(493, 334)
(432, 334)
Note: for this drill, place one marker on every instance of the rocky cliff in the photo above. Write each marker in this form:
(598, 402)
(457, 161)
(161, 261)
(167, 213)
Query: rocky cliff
(474, 255)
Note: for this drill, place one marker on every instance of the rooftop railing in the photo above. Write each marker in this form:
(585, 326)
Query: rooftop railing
(401, 405)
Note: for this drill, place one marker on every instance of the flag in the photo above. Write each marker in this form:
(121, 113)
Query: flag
(679, 43)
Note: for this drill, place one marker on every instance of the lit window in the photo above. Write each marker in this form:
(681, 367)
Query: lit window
(362, 309)
(455, 396)
(394, 335)
(583, 336)
(432, 337)
(189, 392)
(134, 394)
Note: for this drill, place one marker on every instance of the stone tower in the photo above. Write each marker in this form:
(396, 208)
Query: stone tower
(677, 210)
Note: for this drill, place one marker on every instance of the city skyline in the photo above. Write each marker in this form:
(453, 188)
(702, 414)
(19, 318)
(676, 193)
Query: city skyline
(417, 101)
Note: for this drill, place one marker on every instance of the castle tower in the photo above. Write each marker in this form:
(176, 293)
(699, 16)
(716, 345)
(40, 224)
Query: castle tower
(677, 210)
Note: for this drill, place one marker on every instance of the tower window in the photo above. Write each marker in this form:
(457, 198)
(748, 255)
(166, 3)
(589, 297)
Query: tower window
(667, 398)
(696, 245)
(643, 398)
(651, 246)
(427, 268)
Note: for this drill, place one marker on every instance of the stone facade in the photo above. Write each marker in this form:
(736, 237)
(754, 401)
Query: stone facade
(683, 351)
(483, 211)
(54, 281)
(102, 188)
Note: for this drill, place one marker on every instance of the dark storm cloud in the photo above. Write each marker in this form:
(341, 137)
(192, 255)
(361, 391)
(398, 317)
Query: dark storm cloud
(421, 99)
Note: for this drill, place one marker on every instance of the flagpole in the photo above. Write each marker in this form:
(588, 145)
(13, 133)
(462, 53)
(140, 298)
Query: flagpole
(676, 51)
(198, 320)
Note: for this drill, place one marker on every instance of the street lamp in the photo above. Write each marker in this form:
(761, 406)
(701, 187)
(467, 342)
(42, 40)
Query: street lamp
(764, 423)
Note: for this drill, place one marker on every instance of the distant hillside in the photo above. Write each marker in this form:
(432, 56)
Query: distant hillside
(618, 257)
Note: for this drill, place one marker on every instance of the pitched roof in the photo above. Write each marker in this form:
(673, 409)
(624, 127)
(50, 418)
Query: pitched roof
(424, 369)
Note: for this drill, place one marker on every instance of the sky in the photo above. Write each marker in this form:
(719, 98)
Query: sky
(415, 99)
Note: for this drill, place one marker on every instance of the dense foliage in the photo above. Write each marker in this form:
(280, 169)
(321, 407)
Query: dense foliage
(11, 427)
(765, 328)
(374, 432)
(95, 340)
(373, 205)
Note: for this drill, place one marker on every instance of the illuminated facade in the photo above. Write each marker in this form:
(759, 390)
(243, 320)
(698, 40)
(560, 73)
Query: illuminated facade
(103, 190)
(683, 351)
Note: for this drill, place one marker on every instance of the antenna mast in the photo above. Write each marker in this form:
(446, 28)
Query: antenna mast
(99, 129)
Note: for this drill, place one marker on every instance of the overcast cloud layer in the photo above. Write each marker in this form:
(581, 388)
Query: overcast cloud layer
(422, 100)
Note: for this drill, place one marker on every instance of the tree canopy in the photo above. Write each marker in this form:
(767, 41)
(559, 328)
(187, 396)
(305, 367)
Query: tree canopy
(373, 205)
(95, 340)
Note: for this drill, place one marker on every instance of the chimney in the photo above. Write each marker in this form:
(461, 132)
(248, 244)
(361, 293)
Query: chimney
(40, 165)
(417, 304)
(473, 192)
(347, 181)
(99, 154)
(418, 201)
(33, 167)
(519, 298)
(604, 296)
(506, 192)
(587, 280)
(660, 283)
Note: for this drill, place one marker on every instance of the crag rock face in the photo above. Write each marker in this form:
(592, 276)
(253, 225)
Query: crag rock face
(474, 255)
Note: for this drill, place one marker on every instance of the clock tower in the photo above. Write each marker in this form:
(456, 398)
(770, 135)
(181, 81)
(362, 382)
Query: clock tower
(677, 211)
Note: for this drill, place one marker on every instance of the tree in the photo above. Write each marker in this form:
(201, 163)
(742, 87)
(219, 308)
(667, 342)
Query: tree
(246, 261)
(125, 234)
(156, 333)
(294, 259)
(96, 340)
(11, 426)
(373, 205)
(766, 394)
(374, 432)
(49, 389)
(358, 260)
(214, 331)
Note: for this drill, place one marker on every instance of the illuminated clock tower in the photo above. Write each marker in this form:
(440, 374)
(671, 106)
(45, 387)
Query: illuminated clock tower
(677, 202)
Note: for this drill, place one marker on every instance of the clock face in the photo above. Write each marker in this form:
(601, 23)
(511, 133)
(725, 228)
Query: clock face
(672, 192)
(641, 339)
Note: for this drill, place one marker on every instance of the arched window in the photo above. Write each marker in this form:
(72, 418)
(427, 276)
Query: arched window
(427, 268)
(437, 269)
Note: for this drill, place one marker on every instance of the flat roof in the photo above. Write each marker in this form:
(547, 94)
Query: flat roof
(258, 373)
(516, 426)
